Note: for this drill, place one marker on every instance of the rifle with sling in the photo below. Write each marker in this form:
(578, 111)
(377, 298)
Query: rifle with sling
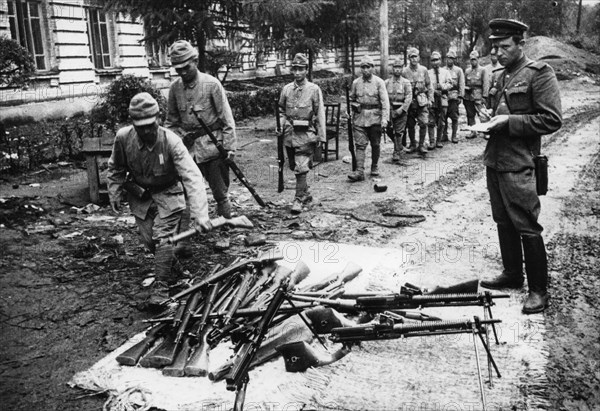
(280, 153)
(350, 130)
(232, 165)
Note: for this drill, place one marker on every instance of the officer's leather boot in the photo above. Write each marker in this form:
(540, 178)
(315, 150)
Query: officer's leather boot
(512, 260)
(359, 174)
(422, 137)
(454, 131)
(536, 266)
(413, 141)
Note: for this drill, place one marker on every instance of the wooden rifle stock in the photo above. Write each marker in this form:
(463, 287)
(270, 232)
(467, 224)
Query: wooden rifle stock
(350, 272)
(280, 153)
(232, 165)
(132, 355)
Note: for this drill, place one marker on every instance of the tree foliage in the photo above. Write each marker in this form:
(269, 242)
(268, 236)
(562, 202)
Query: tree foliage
(16, 64)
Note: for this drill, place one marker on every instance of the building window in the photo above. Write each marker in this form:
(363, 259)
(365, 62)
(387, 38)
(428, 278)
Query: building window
(25, 20)
(98, 38)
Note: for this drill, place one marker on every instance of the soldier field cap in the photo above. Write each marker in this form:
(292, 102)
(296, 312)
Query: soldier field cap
(451, 54)
(397, 63)
(413, 52)
(436, 55)
(143, 109)
(181, 52)
(300, 60)
(503, 28)
(474, 55)
(367, 61)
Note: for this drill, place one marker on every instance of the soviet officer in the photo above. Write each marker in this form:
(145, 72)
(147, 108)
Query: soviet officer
(526, 105)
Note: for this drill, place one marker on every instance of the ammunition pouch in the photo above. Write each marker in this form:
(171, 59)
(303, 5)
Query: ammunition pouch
(355, 107)
(135, 190)
(541, 174)
(300, 125)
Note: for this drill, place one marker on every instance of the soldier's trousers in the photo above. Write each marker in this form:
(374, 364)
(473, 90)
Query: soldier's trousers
(452, 114)
(216, 173)
(437, 122)
(365, 135)
(417, 115)
(472, 107)
(154, 229)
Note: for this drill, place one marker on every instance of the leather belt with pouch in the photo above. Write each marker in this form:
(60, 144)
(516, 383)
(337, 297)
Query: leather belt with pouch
(300, 125)
(142, 193)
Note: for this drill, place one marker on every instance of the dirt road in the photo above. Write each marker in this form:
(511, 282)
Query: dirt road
(70, 288)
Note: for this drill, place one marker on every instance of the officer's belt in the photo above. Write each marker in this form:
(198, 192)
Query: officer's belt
(370, 106)
(158, 188)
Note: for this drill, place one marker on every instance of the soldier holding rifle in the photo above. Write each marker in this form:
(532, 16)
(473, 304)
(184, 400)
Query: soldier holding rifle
(303, 118)
(204, 94)
(150, 163)
(400, 94)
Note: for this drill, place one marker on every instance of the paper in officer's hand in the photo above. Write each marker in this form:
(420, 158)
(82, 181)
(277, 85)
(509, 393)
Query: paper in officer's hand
(480, 128)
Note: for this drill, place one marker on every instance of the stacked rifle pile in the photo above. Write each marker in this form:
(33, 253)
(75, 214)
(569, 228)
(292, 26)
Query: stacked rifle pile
(250, 302)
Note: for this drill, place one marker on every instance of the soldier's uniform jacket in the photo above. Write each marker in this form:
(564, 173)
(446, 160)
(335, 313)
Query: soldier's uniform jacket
(400, 94)
(476, 84)
(420, 82)
(374, 102)
(532, 102)
(443, 78)
(158, 169)
(457, 78)
(302, 102)
(207, 96)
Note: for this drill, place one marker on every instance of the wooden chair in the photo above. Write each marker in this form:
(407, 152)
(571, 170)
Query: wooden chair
(332, 130)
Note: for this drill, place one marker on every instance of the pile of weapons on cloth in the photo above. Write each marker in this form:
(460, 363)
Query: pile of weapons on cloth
(250, 305)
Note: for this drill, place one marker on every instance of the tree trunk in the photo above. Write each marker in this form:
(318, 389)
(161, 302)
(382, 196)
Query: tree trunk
(579, 16)
(384, 38)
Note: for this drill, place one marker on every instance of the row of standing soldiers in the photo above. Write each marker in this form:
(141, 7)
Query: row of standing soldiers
(415, 96)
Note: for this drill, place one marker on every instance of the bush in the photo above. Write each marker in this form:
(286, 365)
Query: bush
(16, 64)
(114, 106)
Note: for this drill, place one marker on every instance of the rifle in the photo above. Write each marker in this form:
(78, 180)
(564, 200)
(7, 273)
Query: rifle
(237, 379)
(350, 131)
(132, 355)
(198, 362)
(236, 170)
(240, 221)
(280, 154)
(335, 280)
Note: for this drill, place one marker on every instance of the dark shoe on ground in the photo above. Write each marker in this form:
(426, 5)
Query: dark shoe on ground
(455, 140)
(503, 281)
(410, 149)
(439, 145)
(296, 206)
(422, 150)
(375, 171)
(471, 136)
(183, 251)
(431, 147)
(356, 176)
(395, 157)
(535, 302)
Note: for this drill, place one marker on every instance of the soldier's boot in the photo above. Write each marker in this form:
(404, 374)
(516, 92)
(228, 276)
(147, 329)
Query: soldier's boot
(302, 197)
(183, 249)
(224, 208)
(397, 149)
(375, 153)
(413, 141)
(454, 132)
(404, 135)
(512, 260)
(431, 133)
(422, 137)
(536, 266)
(163, 263)
(438, 141)
(445, 133)
(359, 174)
